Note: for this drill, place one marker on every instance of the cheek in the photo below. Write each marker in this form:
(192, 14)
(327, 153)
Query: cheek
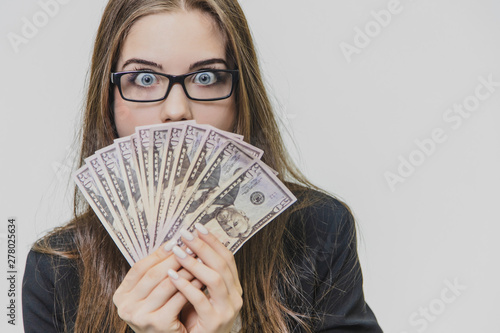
(126, 119)
(123, 120)
(220, 114)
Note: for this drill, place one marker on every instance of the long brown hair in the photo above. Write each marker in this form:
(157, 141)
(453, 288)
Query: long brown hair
(266, 272)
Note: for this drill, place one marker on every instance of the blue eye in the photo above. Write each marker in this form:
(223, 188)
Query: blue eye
(145, 79)
(205, 78)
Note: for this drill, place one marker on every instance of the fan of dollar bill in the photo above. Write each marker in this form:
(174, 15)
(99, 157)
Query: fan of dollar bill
(145, 188)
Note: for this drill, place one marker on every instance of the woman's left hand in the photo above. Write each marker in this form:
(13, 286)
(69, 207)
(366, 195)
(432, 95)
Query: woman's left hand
(216, 269)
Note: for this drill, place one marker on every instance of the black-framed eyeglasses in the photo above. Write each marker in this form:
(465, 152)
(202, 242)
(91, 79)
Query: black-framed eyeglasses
(149, 86)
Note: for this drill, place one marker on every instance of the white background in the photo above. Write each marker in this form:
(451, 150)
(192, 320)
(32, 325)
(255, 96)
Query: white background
(352, 122)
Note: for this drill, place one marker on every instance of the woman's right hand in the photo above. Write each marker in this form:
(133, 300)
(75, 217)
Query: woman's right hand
(147, 300)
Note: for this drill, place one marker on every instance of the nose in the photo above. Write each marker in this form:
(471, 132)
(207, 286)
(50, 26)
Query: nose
(176, 107)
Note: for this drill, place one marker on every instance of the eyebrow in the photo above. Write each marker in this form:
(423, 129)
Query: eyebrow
(191, 67)
(208, 62)
(142, 62)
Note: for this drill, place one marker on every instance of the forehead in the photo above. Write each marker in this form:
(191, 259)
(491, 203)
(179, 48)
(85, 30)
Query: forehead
(174, 40)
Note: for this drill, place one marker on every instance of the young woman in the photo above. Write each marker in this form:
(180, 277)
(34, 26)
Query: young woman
(299, 274)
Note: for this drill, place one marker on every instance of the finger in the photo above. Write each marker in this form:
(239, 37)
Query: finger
(153, 277)
(215, 255)
(142, 311)
(142, 266)
(162, 292)
(156, 278)
(209, 256)
(193, 294)
(219, 282)
(209, 317)
(218, 247)
(160, 320)
(177, 302)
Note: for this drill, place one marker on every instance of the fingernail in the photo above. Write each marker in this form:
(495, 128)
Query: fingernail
(178, 252)
(200, 261)
(188, 251)
(201, 228)
(187, 235)
(173, 274)
(169, 246)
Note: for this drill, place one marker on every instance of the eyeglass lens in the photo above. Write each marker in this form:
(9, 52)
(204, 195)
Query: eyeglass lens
(147, 86)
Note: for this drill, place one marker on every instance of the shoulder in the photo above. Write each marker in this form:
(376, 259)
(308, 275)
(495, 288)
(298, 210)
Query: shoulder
(320, 239)
(321, 218)
(321, 242)
(320, 204)
(50, 284)
(52, 253)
